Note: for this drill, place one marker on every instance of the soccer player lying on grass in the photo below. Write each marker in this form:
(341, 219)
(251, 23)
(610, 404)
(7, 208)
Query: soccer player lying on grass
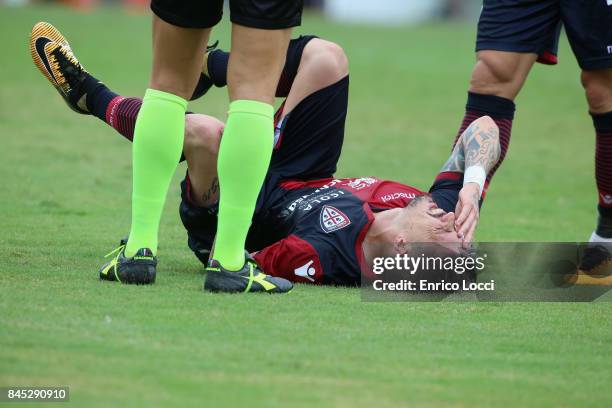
(308, 225)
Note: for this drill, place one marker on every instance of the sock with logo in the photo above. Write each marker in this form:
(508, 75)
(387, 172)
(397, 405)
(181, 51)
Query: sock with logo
(158, 142)
(244, 157)
(603, 172)
(121, 114)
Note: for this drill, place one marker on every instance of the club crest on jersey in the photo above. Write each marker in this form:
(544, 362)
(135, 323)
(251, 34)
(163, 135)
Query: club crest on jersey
(332, 219)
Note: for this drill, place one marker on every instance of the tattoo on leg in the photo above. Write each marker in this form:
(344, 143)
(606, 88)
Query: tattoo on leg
(210, 197)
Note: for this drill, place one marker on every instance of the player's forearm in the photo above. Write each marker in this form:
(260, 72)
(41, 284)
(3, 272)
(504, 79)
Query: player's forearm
(481, 144)
(477, 146)
(456, 161)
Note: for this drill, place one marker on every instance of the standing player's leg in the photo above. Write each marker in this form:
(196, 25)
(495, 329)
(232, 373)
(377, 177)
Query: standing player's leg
(589, 30)
(496, 80)
(511, 37)
(259, 46)
(598, 87)
(158, 135)
(255, 65)
(180, 36)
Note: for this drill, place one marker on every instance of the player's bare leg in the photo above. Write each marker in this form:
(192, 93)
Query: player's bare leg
(598, 88)
(177, 57)
(202, 138)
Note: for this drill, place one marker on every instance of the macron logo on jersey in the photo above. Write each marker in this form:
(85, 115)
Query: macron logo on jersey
(332, 219)
(305, 271)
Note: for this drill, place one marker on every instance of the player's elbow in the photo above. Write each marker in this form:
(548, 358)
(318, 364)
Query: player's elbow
(487, 123)
(203, 134)
(329, 59)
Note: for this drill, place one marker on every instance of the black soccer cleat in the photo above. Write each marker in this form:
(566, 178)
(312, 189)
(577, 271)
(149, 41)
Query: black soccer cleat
(595, 260)
(139, 269)
(204, 83)
(54, 58)
(249, 279)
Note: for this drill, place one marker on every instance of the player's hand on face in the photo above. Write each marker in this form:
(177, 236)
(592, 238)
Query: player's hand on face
(467, 212)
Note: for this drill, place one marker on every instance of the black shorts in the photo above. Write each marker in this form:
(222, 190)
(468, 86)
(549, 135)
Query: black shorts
(264, 14)
(308, 148)
(534, 26)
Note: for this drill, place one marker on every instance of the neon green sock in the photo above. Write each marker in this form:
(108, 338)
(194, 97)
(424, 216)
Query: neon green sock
(158, 142)
(244, 157)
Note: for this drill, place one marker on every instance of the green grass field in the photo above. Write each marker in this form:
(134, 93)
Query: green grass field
(65, 200)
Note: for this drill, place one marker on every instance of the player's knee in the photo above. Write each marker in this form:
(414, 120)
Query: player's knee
(203, 134)
(496, 75)
(327, 58)
(489, 73)
(598, 88)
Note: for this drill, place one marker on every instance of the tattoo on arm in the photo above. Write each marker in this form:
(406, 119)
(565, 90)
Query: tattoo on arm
(211, 196)
(478, 146)
(482, 146)
(456, 161)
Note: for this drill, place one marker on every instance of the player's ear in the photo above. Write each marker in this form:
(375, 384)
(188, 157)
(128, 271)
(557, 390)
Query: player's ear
(401, 244)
